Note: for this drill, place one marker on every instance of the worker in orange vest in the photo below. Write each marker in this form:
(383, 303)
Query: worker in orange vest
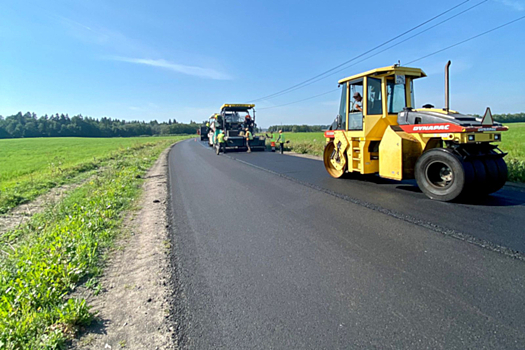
(272, 140)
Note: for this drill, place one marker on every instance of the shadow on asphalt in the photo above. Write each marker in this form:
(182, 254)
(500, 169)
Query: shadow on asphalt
(409, 188)
(503, 198)
(497, 199)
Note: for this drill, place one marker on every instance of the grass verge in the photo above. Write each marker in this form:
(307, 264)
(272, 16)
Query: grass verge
(516, 169)
(304, 143)
(41, 264)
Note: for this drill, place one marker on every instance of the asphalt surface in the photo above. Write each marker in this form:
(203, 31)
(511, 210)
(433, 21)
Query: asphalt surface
(271, 253)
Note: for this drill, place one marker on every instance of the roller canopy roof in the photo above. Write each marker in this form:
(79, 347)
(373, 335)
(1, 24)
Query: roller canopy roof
(391, 70)
(236, 107)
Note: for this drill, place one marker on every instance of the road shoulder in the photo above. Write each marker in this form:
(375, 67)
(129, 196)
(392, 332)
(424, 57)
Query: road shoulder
(133, 307)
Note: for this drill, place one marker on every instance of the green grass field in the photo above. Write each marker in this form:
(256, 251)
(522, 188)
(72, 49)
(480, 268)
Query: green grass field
(306, 142)
(42, 262)
(513, 142)
(30, 167)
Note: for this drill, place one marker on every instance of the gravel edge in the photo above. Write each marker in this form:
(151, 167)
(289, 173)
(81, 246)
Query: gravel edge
(133, 309)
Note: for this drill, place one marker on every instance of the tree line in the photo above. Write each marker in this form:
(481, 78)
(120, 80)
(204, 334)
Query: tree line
(61, 125)
(57, 125)
(508, 118)
(297, 128)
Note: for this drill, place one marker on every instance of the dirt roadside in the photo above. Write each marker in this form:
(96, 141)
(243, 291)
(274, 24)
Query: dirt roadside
(133, 308)
(23, 213)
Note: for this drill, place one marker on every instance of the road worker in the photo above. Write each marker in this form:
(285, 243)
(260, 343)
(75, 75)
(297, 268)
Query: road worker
(221, 143)
(248, 121)
(272, 140)
(281, 141)
(249, 137)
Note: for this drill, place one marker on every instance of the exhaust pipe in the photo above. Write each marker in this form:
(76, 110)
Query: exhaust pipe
(447, 80)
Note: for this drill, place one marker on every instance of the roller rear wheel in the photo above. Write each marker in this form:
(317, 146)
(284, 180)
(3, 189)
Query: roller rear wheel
(480, 175)
(331, 153)
(441, 175)
(497, 172)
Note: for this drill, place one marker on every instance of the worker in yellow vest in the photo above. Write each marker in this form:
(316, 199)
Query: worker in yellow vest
(220, 142)
(249, 137)
(272, 140)
(281, 141)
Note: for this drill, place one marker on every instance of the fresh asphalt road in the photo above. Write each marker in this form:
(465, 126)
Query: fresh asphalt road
(272, 253)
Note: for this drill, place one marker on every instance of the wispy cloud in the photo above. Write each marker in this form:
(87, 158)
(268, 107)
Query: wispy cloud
(72, 23)
(123, 47)
(518, 5)
(201, 72)
(119, 43)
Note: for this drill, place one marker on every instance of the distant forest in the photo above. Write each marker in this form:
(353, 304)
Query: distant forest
(507, 118)
(61, 125)
(298, 128)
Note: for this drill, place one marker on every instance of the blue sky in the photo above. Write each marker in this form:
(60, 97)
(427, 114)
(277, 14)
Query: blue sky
(183, 59)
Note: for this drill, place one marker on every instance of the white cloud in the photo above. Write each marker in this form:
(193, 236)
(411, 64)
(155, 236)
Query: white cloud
(179, 68)
(515, 4)
(116, 41)
(121, 45)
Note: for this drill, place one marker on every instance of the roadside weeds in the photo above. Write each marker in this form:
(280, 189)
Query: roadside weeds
(133, 308)
(21, 214)
(43, 263)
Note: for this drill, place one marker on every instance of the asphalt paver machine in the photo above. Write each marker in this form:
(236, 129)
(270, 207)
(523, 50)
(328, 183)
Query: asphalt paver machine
(378, 131)
(203, 132)
(233, 121)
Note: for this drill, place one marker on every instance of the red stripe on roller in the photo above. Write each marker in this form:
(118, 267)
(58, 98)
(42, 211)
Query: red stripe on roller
(431, 128)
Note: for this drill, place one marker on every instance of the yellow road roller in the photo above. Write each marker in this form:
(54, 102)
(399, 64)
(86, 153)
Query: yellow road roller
(379, 131)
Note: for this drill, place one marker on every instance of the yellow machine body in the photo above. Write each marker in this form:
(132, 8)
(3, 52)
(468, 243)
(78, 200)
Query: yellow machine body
(371, 134)
(380, 147)
(398, 152)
